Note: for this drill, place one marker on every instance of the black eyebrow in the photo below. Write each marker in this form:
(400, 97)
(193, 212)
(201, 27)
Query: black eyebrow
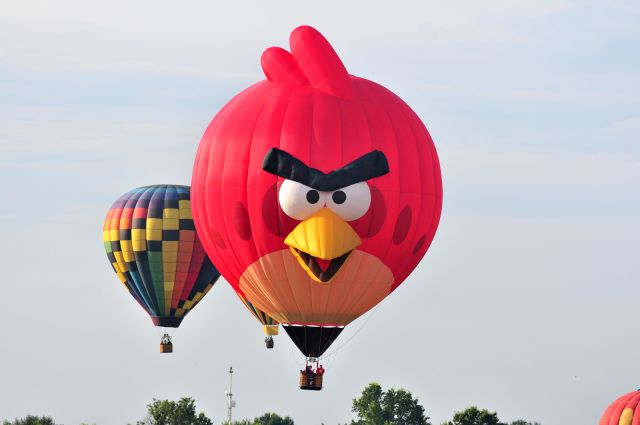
(285, 165)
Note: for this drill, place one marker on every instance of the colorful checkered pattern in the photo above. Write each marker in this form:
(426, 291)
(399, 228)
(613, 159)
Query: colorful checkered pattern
(152, 245)
(262, 317)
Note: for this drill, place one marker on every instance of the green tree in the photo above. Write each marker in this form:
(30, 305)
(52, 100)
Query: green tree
(523, 422)
(474, 416)
(32, 420)
(181, 412)
(266, 419)
(392, 407)
(272, 419)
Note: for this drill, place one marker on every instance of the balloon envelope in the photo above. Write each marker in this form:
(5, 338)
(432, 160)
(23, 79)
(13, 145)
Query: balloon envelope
(315, 192)
(624, 411)
(151, 242)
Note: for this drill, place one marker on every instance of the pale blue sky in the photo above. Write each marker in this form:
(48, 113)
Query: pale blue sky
(524, 304)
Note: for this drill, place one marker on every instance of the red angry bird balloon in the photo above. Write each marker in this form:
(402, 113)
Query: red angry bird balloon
(315, 192)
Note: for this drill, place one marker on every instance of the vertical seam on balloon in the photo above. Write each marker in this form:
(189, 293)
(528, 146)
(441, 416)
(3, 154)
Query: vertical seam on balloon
(129, 277)
(277, 206)
(188, 246)
(414, 141)
(233, 265)
(189, 281)
(138, 280)
(158, 273)
(257, 288)
(147, 283)
(171, 190)
(284, 252)
(390, 124)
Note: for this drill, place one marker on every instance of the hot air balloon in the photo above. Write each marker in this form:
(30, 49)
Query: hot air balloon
(624, 411)
(151, 242)
(269, 324)
(315, 192)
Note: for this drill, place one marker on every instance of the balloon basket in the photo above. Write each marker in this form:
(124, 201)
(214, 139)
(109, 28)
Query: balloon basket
(310, 381)
(268, 341)
(166, 347)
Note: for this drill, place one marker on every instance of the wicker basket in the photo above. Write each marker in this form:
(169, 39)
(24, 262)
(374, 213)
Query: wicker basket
(166, 347)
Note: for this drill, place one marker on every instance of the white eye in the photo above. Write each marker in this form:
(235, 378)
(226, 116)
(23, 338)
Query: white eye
(299, 201)
(350, 202)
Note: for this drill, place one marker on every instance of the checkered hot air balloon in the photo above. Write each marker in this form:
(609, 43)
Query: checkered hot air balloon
(151, 242)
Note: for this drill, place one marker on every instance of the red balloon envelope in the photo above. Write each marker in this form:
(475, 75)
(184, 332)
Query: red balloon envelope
(624, 411)
(315, 192)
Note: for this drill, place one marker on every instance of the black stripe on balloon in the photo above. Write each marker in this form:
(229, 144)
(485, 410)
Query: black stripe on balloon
(206, 276)
(170, 235)
(139, 223)
(186, 224)
(155, 246)
(155, 212)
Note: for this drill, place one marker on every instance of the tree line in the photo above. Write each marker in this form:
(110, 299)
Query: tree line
(373, 407)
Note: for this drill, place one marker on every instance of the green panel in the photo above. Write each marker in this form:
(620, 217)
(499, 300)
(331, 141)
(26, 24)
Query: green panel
(155, 267)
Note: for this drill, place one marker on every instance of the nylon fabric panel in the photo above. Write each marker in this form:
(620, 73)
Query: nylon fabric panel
(235, 170)
(211, 158)
(236, 203)
(153, 256)
(623, 411)
(260, 315)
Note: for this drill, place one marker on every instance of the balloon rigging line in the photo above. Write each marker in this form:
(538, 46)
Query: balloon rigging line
(341, 346)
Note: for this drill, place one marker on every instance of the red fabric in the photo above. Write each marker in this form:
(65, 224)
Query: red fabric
(612, 414)
(313, 109)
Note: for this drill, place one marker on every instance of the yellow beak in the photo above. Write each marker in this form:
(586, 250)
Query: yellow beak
(323, 236)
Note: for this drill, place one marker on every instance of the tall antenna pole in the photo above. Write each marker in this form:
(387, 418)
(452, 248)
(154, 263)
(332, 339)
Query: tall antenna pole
(230, 403)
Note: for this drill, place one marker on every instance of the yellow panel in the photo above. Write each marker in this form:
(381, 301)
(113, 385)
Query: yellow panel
(139, 245)
(114, 235)
(154, 235)
(270, 329)
(138, 235)
(170, 224)
(154, 224)
(122, 267)
(118, 256)
(626, 417)
(171, 213)
(184, 204)
(170, 247)
(185, 210)
(119, 274)
(105, 236)
(128, 256)
(126, 246)
(167, 304)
